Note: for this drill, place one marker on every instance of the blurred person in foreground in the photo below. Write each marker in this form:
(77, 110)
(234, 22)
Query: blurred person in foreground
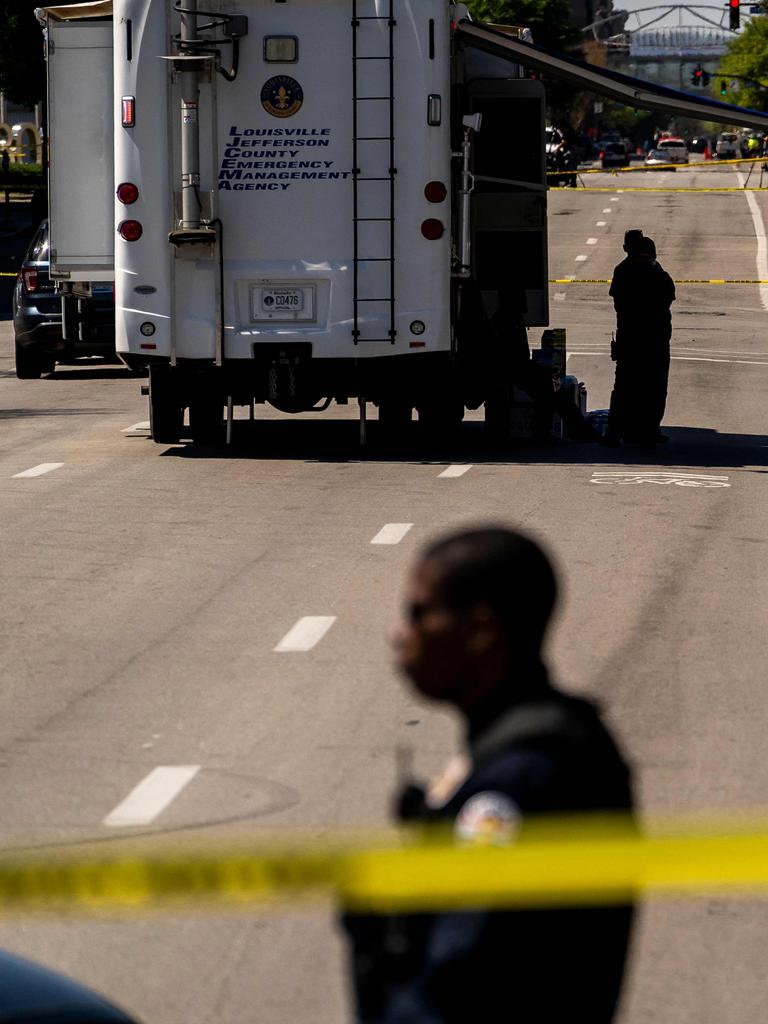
(642, 293)
(477, 608)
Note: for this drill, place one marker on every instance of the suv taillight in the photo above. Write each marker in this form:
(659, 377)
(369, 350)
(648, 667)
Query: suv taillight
(29, 277)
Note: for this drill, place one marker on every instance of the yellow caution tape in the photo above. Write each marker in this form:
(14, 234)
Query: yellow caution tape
(8, 273)
(682, 280)
(709, 165)
(578, 863)
(655, 188)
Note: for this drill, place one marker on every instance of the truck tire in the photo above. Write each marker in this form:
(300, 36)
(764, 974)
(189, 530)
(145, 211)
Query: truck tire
(206, 420)
(440, 417)
(166, 413)
(497, 414)
(30, 362)
(395, 416)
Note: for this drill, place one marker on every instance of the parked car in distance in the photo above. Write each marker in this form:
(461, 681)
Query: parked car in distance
(37, 316)
(674, 149)
(727, 146)
(658, 159)
(614, 154)
(700, 144)
(32, 994)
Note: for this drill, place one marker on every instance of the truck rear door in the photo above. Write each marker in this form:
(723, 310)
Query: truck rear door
(81, 172)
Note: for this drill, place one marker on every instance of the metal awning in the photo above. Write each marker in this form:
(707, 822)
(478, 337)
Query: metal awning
(634, 92)
(75, 12)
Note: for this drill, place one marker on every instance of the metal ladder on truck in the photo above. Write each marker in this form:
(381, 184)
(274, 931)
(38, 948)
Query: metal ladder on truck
(373, 169)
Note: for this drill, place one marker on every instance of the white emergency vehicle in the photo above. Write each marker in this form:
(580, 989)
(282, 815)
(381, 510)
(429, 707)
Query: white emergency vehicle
(303, 201)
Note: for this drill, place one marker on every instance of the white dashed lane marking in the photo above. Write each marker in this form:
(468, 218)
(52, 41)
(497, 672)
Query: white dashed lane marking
(600, 223)
(392, 533)
(44, 467)
(307, 632)
(152, 795)
(608, 209)
(591, 241)
(559, 296)
(451, 472)
(690, 359)
(580, 259)
(614, 199)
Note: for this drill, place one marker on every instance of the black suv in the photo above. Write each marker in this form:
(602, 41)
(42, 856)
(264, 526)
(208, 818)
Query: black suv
(37, 318)
(613, 154)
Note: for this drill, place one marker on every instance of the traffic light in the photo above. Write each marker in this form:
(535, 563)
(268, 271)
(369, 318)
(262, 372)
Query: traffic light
(723, 87)
(705, 78)
(733, 12)
(697, 76)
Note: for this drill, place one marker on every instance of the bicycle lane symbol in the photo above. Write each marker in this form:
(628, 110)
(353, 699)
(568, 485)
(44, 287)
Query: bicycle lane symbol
(658, 477)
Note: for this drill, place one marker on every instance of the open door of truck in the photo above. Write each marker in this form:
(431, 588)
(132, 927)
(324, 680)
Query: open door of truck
(80, 118)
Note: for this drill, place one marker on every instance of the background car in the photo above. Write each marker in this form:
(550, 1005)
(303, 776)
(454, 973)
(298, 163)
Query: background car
(37, 317)
(700, 144)
(674, 149)
(727, 146)
(658, 159)
(614, 154)
(32, 994)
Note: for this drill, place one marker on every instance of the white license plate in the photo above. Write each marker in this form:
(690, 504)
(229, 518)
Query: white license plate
(277, 303)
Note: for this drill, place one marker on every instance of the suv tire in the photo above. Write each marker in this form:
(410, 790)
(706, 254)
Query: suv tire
(30, 362)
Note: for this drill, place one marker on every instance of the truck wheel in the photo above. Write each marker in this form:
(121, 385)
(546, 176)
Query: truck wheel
(497, 416)
(30, 362)
(166, 413)
(440, 417)
(395, 416)
(206, 420)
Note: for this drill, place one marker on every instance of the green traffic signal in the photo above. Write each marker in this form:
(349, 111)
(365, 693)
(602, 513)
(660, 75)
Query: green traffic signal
(723, 87)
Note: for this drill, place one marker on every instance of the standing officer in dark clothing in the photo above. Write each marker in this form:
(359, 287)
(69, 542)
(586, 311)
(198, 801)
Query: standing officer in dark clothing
(643, 293)
(477, 610)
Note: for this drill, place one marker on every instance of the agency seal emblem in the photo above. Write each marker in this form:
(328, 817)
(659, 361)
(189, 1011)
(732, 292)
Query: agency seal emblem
(282, 96)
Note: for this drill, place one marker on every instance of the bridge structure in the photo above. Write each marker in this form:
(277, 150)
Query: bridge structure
(664, 43)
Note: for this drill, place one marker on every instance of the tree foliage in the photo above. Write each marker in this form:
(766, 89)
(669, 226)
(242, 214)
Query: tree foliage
(548, 20)
(746, 63)
(22, 68)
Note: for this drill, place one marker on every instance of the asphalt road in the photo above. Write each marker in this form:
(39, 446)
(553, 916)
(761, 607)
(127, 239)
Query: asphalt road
(145, 590)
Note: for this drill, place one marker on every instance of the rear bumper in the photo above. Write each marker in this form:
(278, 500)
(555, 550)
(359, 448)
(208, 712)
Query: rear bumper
(46, 333)
(307, 381)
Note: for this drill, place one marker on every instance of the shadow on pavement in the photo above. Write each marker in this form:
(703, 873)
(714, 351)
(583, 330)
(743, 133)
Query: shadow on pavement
(338, 441)
(93, 369)
(21, 414)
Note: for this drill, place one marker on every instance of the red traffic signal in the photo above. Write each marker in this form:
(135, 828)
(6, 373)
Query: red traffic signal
(733, 14)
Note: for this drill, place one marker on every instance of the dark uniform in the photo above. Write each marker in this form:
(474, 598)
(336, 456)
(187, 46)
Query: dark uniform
(546, 753)
(642, 294)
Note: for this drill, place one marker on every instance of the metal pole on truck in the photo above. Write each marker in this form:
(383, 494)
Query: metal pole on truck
(190, 127)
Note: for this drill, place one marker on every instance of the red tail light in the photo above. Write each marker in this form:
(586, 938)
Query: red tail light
(432, 229)
(29, 277)
(127, 193)
(435, 191)
(130, 230)
(129, 111)
(602, 154)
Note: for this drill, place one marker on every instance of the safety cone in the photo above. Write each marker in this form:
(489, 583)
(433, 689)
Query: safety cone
(707, 152)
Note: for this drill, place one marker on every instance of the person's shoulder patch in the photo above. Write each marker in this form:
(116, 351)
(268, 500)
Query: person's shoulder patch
(490, 818)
